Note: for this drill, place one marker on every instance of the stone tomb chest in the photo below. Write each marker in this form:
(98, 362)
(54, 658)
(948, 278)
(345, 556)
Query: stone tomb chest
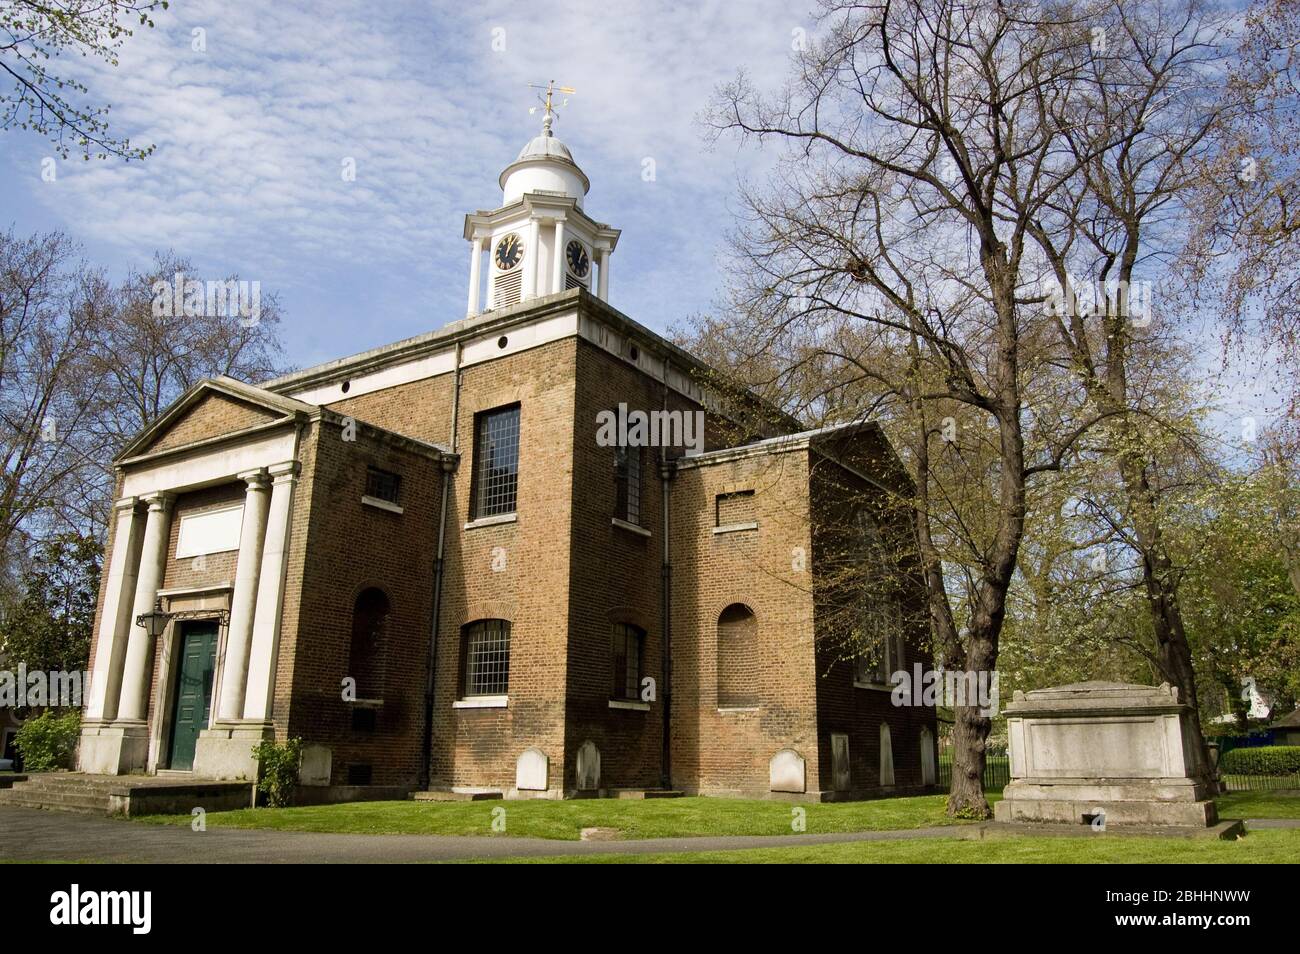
(1103, 748)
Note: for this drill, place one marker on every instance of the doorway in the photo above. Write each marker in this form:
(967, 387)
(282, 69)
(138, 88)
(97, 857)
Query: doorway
(193, 700)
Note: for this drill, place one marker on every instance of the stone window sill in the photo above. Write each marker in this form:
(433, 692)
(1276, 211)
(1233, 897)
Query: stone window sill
(878, 686)
(726, 709)
(629, 704)
(379, 504)
(482, 702)
(736, 527)
(630, 527)
(492, 521)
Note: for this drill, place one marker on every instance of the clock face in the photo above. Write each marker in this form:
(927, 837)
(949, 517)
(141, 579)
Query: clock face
(510, 250)
(579, 263)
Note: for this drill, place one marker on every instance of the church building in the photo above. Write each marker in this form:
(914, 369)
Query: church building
(540, 552)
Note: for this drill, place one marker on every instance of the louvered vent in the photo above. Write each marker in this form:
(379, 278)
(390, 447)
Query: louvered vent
(571, 282)
(509, 288)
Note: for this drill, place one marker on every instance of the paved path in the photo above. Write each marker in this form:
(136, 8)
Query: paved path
(29, 834)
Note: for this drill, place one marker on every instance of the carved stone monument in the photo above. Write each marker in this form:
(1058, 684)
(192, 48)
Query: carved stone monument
(1104, 753)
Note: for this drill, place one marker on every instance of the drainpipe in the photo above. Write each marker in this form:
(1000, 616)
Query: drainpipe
(448, 468)
(666, 469)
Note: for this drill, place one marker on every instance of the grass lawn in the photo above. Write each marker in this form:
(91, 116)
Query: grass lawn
(539, 818)
(1259, 805)
(687, 817)
(1261, 847)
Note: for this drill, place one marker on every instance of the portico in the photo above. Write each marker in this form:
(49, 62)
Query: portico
(132, 716)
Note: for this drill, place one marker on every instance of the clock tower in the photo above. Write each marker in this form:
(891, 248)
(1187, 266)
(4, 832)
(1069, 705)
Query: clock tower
(540, 241)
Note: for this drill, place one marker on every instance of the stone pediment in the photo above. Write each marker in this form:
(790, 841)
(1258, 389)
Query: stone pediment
(210, 410)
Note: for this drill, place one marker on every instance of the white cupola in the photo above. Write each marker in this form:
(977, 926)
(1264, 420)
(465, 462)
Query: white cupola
(544, 165)
(540, 241)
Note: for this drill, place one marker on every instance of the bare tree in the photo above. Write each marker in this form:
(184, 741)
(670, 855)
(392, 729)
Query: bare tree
(894, 247)
(1143, 128)
(85, 364)
(48, 323)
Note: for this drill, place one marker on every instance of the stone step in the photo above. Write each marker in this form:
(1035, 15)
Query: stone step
(57, 801)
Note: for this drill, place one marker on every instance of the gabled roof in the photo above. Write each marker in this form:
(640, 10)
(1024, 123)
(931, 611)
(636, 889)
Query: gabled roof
(1291, 721)
(277, 405)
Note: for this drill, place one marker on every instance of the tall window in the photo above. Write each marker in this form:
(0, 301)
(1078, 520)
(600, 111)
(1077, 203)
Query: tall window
(496, 462)
(737, 657)
(369, 626)
(487, 658)
(627, 483)
(628, 642)
(880, 658)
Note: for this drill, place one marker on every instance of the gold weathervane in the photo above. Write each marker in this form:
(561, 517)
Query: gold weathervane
(551, 90)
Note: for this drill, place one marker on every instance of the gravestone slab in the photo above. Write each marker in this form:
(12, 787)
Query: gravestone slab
(588, 768)
(1103, 750)
(841, 776)
(531, 770)
(786, 772)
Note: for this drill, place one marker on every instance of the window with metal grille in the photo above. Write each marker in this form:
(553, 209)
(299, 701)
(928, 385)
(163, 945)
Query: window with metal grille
(627, 484)
(382, 485)
(487, 658)
(496, 461)
(735, 508)
(628, 643)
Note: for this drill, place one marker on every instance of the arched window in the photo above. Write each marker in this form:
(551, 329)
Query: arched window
(370, 616)
(737, 657)
(486, 657)
(626, 654)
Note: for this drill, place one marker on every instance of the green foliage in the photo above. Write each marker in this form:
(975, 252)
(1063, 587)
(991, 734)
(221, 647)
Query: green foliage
(1265, 760)
(49, 626)
(48, 741)
(44, 102)
(277, 773)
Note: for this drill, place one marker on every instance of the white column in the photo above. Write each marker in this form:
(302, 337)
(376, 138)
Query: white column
(115, 620)
(136, 672)
(239, 636)
(475, 263)
(557, 272)
(270, 595)
(603, 291)
(533, 254)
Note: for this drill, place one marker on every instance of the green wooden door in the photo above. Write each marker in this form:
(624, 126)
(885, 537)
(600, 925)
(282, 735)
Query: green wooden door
(193, 690)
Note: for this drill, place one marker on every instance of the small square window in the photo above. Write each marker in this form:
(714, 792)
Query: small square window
(735, 508)
(382, 485)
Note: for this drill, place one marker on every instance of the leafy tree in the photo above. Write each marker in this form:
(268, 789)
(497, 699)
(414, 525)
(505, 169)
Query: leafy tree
(34, 32)
(49, 627)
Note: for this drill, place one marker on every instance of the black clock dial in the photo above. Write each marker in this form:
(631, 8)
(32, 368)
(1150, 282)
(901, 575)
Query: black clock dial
(579, 263)
(509, 252)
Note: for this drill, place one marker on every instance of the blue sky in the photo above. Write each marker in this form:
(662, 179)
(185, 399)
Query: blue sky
(252, 133)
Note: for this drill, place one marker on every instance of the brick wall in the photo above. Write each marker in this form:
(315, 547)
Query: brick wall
(838, 498)
(344, 547)
(719, 751)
